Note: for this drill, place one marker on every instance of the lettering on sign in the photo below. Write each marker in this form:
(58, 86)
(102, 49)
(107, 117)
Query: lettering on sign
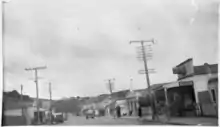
(186, 83)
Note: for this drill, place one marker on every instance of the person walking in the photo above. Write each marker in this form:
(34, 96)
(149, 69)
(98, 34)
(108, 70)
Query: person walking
(119, 111)
(139, 112)
(115, 113)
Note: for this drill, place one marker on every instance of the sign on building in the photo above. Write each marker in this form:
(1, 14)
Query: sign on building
(185, 83)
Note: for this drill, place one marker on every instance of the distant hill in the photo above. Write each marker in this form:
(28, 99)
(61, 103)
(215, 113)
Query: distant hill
(15, 95)
(12, 100)
(73, 104)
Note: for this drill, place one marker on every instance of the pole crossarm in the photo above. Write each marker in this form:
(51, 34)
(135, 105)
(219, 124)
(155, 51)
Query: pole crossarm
(142, 41)
(36, 68)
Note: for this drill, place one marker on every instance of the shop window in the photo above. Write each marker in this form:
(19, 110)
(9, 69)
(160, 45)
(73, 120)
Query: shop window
(213, 95)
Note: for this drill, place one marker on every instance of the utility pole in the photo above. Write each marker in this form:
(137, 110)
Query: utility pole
(146, 68)
(36, 81)
(131, 81)
(110, 87)
(50, 91)
(22, 99)
(21, 92)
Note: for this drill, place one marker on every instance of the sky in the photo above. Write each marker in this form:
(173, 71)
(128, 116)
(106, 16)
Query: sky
(85, 42)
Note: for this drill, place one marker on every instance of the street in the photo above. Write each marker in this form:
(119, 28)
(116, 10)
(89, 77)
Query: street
(81, 120)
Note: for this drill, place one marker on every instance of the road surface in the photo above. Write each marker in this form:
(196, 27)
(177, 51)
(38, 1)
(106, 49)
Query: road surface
(81, 120)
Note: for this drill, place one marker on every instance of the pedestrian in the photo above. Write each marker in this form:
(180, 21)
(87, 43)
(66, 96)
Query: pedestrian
(115, 112)
(119, 111)
(139, 112)
(130, 112)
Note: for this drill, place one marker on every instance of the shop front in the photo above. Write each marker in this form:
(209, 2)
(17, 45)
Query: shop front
(132, 102)
(181, 98)
(140, 100)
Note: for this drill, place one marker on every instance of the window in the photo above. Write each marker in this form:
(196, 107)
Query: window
(213, 95)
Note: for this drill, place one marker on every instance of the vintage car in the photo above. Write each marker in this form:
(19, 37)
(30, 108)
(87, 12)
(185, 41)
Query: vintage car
(90, 113)
(58, 117)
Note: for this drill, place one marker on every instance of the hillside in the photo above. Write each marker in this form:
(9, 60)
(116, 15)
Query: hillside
(15, 95)
(12, 100)
(73, 104)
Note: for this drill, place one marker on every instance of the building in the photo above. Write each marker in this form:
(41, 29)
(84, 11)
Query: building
(12, 113)
(22, 114)
(196, 87)
(141, 98)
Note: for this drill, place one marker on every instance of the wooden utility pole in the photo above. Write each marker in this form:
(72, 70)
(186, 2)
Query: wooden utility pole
(110, 87)
(50, 91)
(36, 81)
(131, 81)
(22, 111)
(21, 92)
(146, 68)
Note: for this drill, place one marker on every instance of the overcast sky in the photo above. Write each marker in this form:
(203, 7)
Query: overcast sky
(85, 42)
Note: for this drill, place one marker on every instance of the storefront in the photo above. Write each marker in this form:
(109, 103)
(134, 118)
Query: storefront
(182, 98)
(193, 87)
(132, 102)
(138, 99)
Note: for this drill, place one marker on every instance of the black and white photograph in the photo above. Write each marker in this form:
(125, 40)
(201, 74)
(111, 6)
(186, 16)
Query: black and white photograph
(110, 62)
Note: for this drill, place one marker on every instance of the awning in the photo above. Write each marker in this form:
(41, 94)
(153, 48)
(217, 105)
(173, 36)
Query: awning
(171, 85)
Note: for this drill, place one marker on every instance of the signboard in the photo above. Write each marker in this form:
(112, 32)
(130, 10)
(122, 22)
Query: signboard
(186, 83)
(184, 69)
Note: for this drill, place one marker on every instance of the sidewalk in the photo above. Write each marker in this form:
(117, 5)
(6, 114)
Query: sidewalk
(202, 121)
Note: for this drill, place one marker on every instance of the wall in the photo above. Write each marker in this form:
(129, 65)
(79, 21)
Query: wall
(14, 112)
(214, 85)
(200, 83)
(13, 121)
(30, 112)
(14, 117)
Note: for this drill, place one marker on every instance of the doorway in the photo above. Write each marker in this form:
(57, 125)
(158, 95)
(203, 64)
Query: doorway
(182, 100)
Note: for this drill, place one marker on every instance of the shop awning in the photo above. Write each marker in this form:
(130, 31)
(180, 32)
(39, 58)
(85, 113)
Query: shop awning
(171, 85)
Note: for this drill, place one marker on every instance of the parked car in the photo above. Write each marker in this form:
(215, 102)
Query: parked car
(90, 114)
(58, 117)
